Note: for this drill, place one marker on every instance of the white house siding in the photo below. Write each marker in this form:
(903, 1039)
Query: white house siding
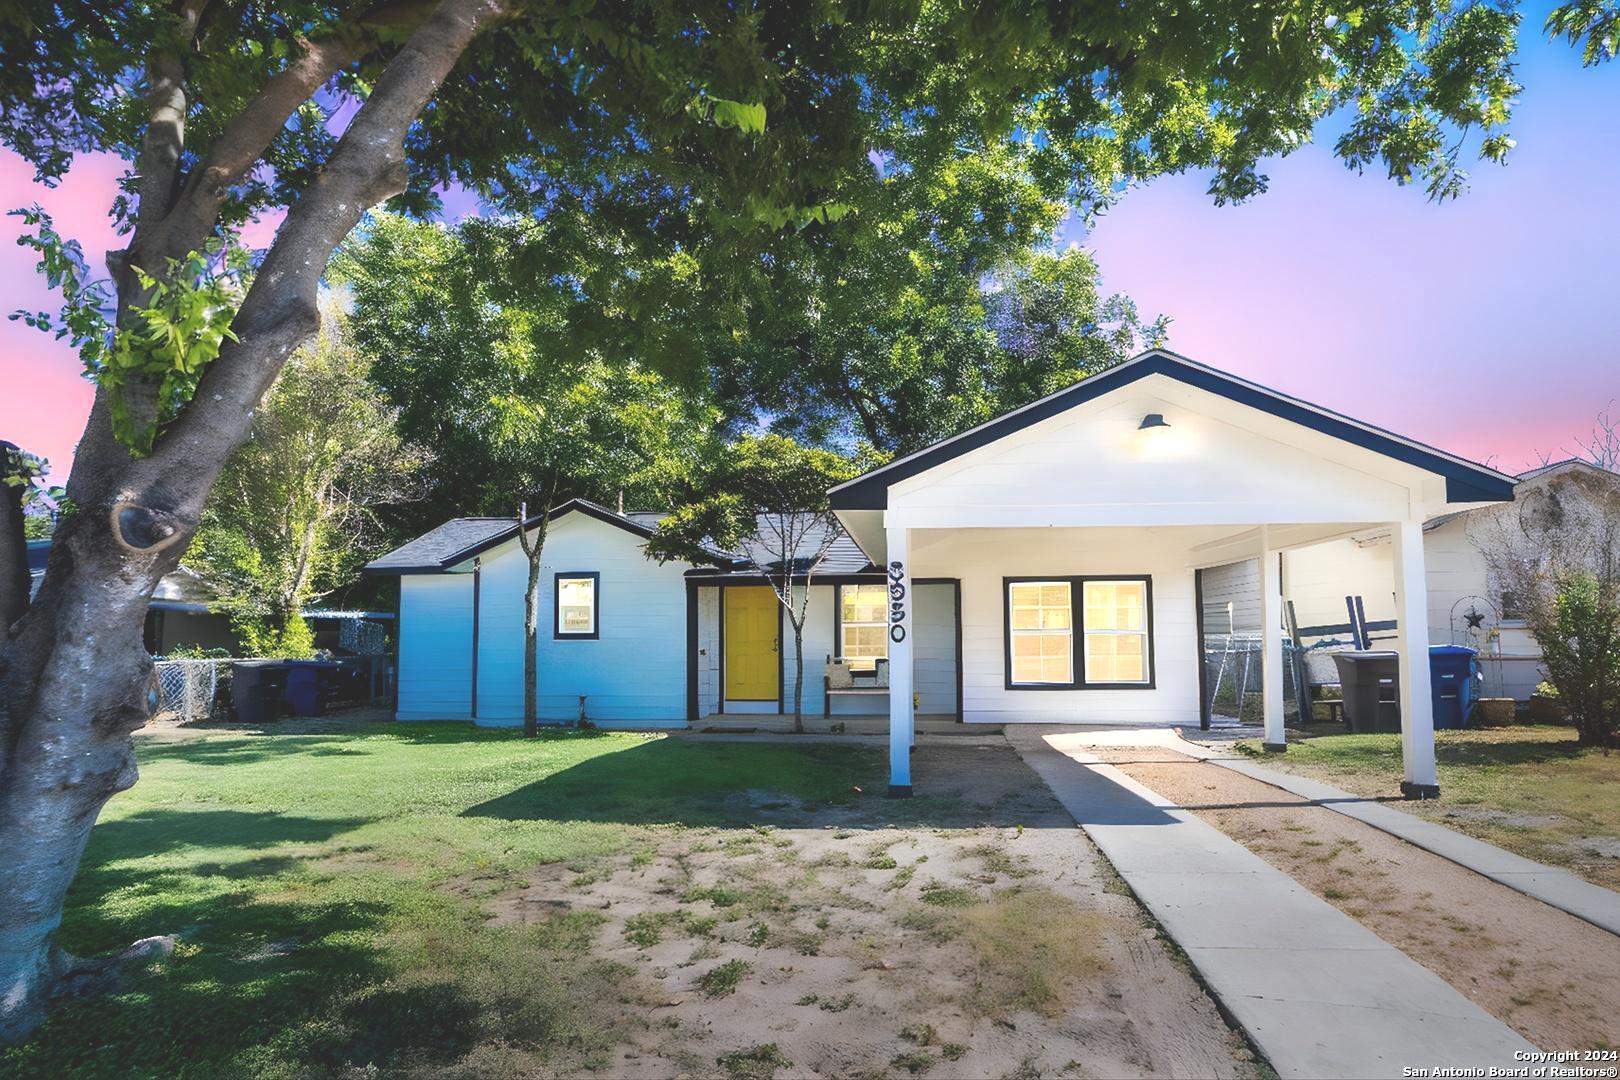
(1217, 464)
(634, 674)
(708, 651)
(935, 658)
(435, 647)
(1232, 598)
(1457, 571)
(818, 645)
(981, 558)
(1316, 580)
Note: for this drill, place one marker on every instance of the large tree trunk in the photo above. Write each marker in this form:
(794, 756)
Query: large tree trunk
(75, 681)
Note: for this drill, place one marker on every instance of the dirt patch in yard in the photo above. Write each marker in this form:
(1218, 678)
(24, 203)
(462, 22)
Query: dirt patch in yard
(1552, 977)
(972, 933)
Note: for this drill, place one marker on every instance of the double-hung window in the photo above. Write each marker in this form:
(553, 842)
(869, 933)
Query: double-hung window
(577, 605)
(1040, 617)
(1116, 632)
(863, 619)
(1073, 633)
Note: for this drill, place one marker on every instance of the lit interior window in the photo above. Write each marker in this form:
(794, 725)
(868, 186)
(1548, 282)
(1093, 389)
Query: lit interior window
(576, 605)
(1041, 619)
(1116, 636)
(864, 612)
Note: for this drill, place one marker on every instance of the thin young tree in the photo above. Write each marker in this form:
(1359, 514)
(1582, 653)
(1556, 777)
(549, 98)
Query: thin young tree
(769, 507)
(593, 430)
(295, 512)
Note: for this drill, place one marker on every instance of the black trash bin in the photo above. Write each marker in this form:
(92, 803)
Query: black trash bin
(1369, 681)
(256, 689)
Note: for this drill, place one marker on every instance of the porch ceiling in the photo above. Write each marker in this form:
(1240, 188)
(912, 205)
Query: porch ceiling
(1206, 545)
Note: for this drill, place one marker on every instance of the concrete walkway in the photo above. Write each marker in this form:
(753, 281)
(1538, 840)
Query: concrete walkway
(1549, 884)
(1320, 994)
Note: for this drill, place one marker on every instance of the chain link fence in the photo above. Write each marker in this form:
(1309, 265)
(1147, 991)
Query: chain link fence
(187, 689)
(1232, 676)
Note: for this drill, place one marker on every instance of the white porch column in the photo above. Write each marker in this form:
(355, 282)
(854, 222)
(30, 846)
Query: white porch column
(1271, 666)
(901, 603)
(1412, 643)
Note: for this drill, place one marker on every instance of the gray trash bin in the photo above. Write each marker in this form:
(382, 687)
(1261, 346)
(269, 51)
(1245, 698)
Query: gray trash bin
(1369, 682)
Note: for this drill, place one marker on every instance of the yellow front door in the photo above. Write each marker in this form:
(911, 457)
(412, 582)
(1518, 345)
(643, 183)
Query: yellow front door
(753, 666)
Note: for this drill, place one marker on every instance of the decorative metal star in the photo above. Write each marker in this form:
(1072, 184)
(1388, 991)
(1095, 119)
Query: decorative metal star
(1474, 619)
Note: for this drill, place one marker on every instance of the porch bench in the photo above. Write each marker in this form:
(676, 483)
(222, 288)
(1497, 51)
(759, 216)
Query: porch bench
(839, 679)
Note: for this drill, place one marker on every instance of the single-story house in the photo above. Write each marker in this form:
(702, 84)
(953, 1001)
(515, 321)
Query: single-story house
(184, 614)
(1341, 592)
(702, 640)
(1043, 567)
(180, 612)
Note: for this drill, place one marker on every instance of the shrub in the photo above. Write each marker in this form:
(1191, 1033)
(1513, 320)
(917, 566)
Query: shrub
(1582, 654)
(1557, 553)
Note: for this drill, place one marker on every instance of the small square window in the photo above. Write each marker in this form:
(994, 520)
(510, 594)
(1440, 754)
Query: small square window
(577, 605)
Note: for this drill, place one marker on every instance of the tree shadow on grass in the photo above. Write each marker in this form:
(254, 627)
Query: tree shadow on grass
(246, 972)
(273, 970)
(244, 750)
(1384, 749)
(160, 831)
(1492, 754)
(733, 784)
(234, 744)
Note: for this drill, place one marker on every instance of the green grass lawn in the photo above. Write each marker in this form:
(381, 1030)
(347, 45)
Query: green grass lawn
(326, 891)
(1529, 789)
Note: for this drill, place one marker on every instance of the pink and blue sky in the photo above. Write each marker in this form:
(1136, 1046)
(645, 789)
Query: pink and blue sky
(1486, 326)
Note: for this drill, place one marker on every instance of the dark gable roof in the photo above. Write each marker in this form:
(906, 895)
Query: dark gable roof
(461, 539)
(435, 550)
(1465, 480)
(843, 557)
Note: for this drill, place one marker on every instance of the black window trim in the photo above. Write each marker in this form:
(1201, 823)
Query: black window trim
(557, 579)
(1077, 619)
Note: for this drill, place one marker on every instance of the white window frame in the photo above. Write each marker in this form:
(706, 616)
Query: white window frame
(1068, 632)
(558, 632)
(1145, 633)
(881, 624)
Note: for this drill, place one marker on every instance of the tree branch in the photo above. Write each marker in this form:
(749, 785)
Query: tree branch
(158, 163)
(250, 132)
(280, 311)
(244, 141)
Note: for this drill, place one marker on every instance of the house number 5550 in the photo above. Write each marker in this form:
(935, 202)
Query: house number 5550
(897, 601)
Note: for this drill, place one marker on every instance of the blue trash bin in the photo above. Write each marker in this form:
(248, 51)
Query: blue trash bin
(1453, 675)
(309, 686)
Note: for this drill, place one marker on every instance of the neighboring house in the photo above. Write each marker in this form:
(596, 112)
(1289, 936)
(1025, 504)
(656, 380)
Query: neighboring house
(1041, 567)
(182, 613)
(178, 615)
(1326, 583)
